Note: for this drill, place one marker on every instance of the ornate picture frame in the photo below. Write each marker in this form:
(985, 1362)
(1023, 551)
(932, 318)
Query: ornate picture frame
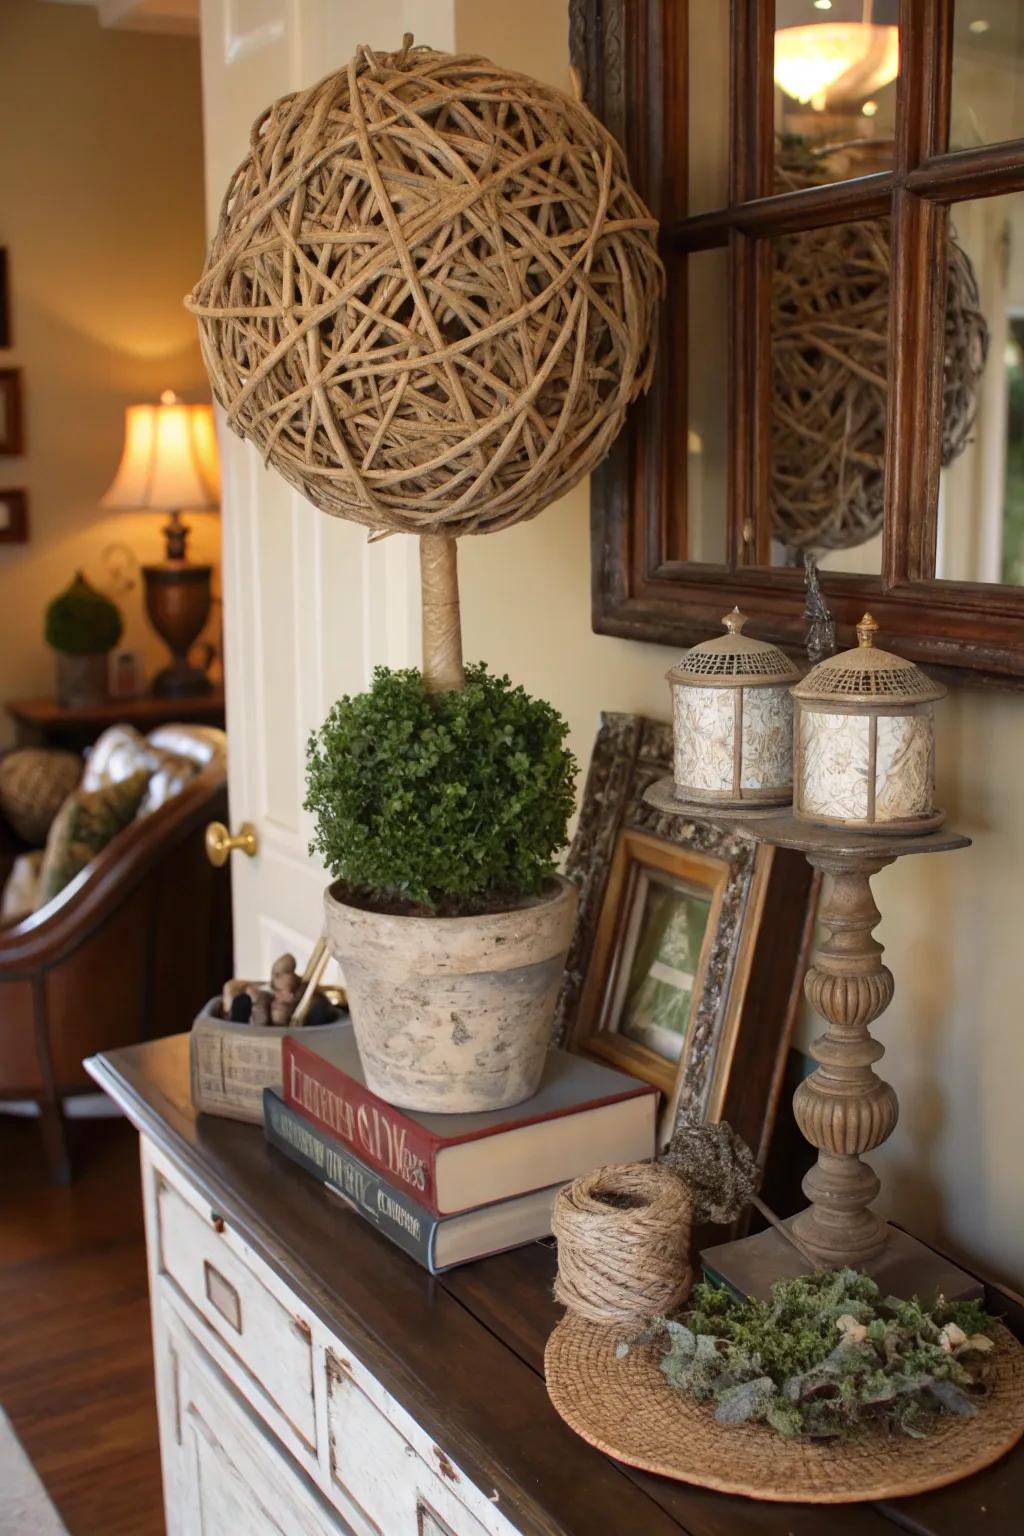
(14, 517)
(5, 300)
(742, 982)
(12, 441)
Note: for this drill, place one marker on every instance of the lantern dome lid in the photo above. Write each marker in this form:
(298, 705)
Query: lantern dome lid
(733, 660)
(867, 675)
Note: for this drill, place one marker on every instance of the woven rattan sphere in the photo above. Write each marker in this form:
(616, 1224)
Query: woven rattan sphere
(432, 293)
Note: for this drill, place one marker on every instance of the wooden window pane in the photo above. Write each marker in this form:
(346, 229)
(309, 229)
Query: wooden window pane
(829, 395)
(835, 78)
(980, 532)
(987, 102)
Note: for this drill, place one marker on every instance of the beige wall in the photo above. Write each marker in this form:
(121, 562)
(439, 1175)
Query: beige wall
(954, 1036)
(101, 210)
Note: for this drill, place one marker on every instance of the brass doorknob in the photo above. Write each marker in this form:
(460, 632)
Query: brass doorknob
(220, 844)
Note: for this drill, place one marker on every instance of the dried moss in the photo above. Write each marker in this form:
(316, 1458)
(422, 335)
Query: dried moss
(829, 1356)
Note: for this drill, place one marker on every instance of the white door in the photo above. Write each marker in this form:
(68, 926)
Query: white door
(309, 606)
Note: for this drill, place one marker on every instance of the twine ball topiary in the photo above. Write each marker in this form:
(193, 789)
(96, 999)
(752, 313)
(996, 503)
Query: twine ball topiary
(432, 293)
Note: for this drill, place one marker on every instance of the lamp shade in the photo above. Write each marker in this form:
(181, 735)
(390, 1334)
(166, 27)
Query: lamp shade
(169, 462)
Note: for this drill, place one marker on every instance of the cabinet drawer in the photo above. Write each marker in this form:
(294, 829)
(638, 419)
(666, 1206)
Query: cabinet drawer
(199, 1256)
(374, 1465)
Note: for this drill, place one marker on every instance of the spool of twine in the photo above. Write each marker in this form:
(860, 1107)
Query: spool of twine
(623, 1243)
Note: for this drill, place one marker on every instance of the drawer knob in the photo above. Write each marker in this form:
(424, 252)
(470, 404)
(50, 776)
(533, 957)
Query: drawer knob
(220, 843)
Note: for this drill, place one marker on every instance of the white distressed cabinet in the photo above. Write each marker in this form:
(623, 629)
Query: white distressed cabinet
(267, 1421)
(312, 1380)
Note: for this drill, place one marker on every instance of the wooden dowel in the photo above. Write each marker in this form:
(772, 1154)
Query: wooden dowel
(784, 1231)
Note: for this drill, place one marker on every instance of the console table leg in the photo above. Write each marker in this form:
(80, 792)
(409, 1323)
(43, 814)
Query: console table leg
(844, 1109)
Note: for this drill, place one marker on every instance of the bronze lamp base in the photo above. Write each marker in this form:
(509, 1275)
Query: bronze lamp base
(178, 605)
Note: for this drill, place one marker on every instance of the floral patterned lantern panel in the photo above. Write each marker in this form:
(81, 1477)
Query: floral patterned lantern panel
(865, 741)
(732, 719)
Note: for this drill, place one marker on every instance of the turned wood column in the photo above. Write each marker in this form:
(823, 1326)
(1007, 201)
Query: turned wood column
(844, 1108)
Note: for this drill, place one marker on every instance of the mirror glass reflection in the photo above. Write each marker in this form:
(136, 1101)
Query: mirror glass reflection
(980, 530)
(836, 64)
(708, 114)
(829, 338)
(707, 276)
(987, 102)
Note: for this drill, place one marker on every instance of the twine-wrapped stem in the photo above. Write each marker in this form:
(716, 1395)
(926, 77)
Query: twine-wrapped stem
(442, 627)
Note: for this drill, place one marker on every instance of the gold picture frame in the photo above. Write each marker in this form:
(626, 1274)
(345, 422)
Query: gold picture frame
(704, 1012)
(644, 868)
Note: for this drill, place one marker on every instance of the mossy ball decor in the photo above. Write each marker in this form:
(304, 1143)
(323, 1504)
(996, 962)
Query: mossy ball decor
(432, 293)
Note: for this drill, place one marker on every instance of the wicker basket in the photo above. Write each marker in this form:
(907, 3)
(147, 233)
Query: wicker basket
(231, 1064)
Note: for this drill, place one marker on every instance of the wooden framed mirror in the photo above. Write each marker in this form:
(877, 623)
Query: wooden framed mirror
(841, 365)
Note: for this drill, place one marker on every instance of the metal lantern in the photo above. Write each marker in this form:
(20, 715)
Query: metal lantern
(865, 741)
(732, 720)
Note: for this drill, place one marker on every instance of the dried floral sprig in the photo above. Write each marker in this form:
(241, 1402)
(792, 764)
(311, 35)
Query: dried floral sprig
(828, 1356)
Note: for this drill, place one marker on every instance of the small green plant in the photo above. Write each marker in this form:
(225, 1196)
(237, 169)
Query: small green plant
(81, 621)
(828, 1355)
(452, 802)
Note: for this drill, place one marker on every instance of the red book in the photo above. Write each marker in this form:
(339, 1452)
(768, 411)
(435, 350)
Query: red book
(582, 1116)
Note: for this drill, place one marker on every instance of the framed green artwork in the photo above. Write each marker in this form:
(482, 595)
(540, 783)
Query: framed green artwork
(668, 926)
(650, 961)
(691, 938)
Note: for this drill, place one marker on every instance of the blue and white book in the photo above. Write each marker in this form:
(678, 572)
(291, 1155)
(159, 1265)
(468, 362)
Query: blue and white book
(438, 1243)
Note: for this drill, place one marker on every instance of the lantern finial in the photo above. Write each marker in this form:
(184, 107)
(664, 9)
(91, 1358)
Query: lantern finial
(734, 621)
(867, 629)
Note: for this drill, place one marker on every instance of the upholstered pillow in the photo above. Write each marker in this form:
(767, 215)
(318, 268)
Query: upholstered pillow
(121, 751)
(86, 822)
(34, 783)
(20, 890)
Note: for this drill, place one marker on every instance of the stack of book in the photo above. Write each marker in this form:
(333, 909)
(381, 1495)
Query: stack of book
(452, 1188)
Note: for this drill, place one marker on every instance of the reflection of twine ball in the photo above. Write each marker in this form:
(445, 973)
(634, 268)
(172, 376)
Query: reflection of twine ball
(623, 1243)
(830, 340)
(431, 295)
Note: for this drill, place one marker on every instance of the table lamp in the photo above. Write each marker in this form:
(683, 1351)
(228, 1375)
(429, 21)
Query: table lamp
(169, 464)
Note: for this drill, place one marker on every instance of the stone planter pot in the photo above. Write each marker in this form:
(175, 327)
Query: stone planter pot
(453, 1014)
(81, 680)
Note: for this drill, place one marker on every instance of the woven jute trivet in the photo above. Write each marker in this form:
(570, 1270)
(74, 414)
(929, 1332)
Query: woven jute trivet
(627, 1409)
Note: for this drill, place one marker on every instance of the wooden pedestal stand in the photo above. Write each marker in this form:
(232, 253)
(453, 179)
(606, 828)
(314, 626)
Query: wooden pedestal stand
(844, 1108)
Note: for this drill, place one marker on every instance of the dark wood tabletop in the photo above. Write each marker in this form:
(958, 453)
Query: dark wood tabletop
(463, 1352)
(45, 722)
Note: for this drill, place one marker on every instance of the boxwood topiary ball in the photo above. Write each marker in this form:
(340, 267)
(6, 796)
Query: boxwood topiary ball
(432, 293)
(81, 621)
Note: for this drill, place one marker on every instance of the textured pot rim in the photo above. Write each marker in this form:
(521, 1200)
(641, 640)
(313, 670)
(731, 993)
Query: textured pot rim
(563, 890)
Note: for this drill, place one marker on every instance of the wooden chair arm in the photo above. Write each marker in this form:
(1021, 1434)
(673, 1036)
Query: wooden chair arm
(48, 936)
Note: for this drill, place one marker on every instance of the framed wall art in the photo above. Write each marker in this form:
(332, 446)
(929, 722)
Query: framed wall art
(11, 436)
(690, 947)
(5, 300)
(13, 517)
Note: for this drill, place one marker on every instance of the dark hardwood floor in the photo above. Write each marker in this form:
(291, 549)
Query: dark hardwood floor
(76, 1374)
